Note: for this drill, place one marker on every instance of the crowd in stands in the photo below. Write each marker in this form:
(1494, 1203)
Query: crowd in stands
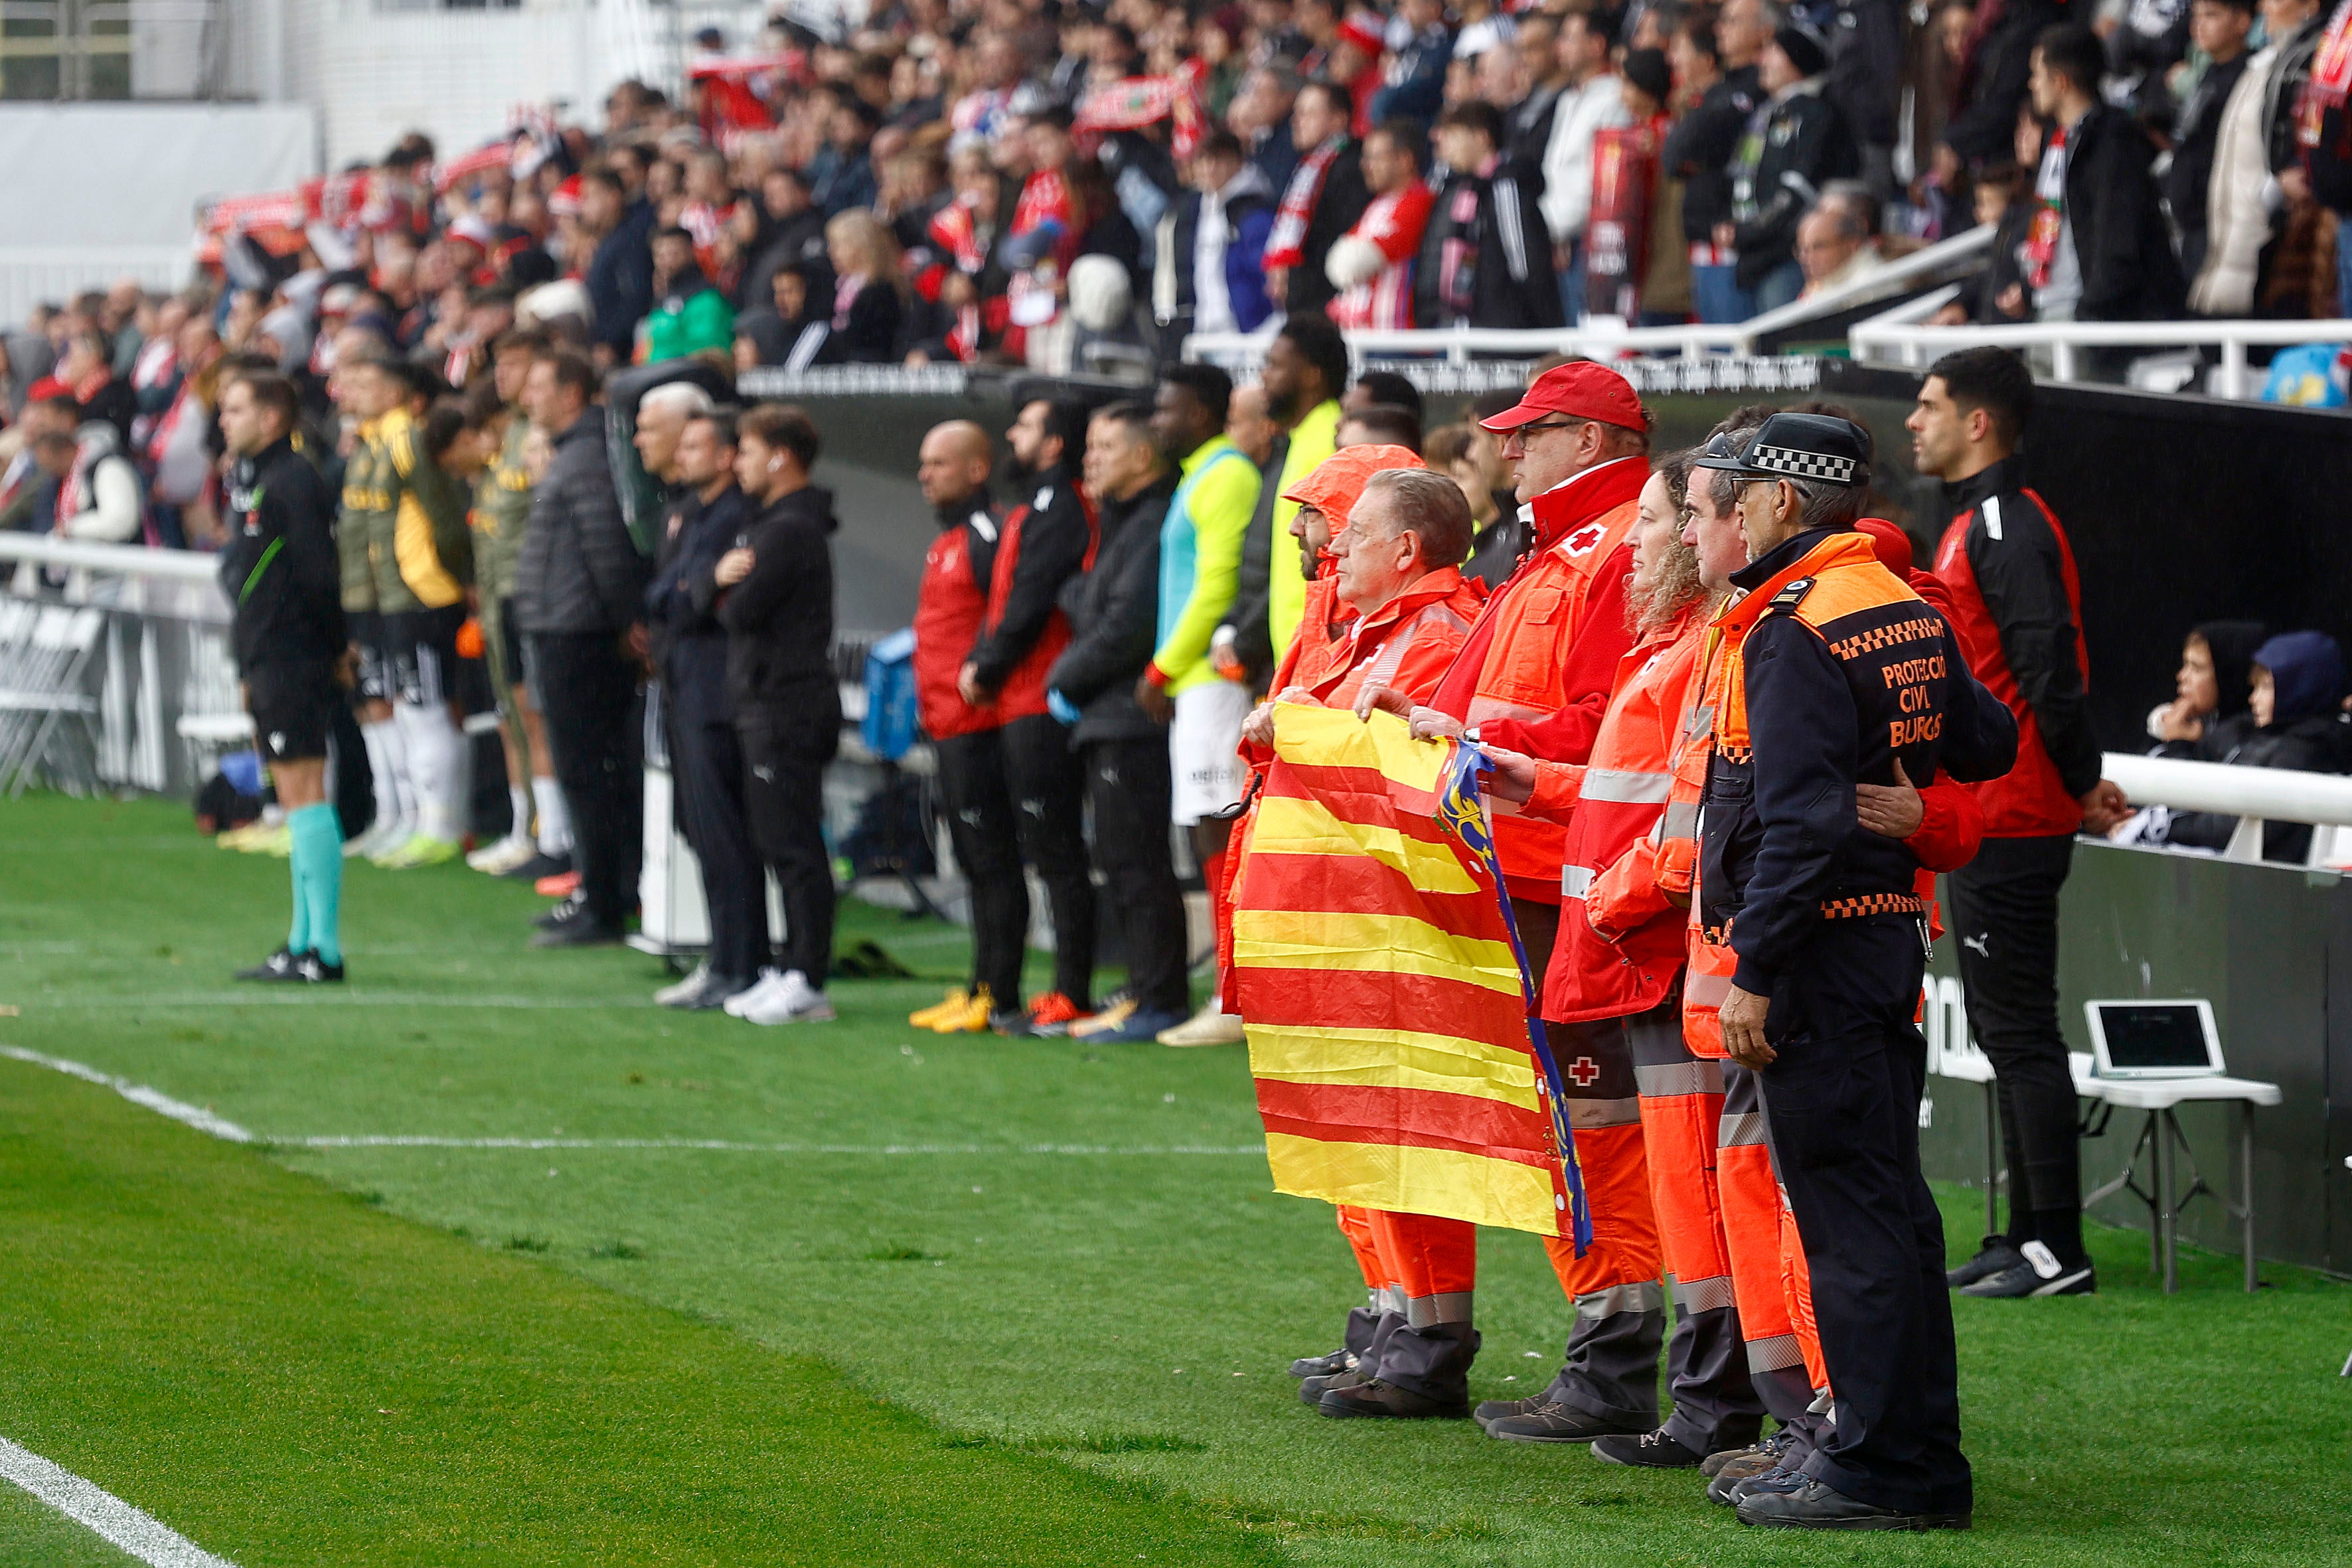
(1079, 186)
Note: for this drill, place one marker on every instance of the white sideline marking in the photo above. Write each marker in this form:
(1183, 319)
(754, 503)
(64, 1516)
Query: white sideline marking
(204, 1120)
(727, 1146)
(101, 1513)
(310, 996)
(156, 1100)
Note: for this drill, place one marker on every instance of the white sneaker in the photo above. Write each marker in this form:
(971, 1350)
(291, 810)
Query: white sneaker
(504, 855)
(739, 1005)
(1212, 1025)
(794, 1001)
(671, 996)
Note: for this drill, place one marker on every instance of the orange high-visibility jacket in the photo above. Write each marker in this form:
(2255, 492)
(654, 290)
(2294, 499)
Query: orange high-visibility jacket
(1547, 652)
(1621, 941)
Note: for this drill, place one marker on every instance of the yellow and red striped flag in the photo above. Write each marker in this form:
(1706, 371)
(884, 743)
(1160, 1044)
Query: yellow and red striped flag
(1390, 1011)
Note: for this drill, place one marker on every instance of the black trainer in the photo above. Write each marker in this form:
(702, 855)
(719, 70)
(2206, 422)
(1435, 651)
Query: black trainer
(578, 928)
(556, 914)
(277, 967)
(538, 866)
(1651, 1450)
(1816, 1506)
(1549, 1420)
(2036, 1272)
(312, 969)
(1385, 1401)
(1996, 1256)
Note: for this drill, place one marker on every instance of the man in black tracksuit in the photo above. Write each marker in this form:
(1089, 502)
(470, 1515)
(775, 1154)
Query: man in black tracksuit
(2008, 576)
(1795, 142)
(1114, 626)
(1483, 259)
(2220, 31)
(689, 649)
(284, 578)
(775, 596)
(1047, 540)
(1835, 674)
(579, 594)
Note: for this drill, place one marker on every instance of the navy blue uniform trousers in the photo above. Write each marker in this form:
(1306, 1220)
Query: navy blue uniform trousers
(1841, 1111)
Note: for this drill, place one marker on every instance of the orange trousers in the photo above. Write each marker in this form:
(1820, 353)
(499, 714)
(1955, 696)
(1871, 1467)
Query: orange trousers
(1767, 1262)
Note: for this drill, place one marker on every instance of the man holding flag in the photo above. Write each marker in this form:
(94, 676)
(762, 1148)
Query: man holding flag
(1535, 676)
(1384, 604)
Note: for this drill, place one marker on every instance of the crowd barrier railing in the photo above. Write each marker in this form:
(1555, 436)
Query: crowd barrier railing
(116, 670)
(2253, 795)
(1901, 337)
(1614, 340)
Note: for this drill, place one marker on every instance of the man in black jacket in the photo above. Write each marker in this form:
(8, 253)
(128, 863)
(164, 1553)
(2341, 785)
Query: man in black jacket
(2219, 27)
(1113, 610)
(1984, 129)
(1047, 538)
(620, 278)
(1483, 262)
(706, 758)
(1794, 144)
(2112, 258)
(1698, 152)
(579, 592)
(1325, 196)
(773, 593)
(284, 580)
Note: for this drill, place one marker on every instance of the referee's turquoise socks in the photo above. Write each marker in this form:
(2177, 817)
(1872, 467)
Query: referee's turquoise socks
(317, 860)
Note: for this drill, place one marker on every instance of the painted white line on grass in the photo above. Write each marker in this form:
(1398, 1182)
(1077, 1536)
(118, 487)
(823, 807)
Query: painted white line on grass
(204, 1120)
(101, 1513)
(730, 1146)
(155, 1099)
(312, 997)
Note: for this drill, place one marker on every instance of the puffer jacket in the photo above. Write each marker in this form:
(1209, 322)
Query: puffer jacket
(577, 571)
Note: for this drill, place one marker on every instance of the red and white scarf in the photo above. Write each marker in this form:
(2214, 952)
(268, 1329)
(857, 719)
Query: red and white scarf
(2331, 77)
(1285, 246)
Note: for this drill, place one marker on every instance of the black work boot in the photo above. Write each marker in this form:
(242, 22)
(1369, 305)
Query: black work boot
(1548, 1419)
(1419, 1372)
(1651, 1450)
(1817, 1505)
(1361, 1323)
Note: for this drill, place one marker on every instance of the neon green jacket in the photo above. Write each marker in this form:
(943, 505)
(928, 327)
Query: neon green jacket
(1201, 558)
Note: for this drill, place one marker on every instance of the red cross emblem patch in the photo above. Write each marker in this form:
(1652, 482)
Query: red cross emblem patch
(1584, 538)
(1582, 1071)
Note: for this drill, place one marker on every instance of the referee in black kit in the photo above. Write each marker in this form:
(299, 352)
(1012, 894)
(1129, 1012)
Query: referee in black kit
(1835, 675)
(283, 578)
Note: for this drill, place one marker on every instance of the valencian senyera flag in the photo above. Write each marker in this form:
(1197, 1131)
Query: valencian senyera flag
(1393, 1034)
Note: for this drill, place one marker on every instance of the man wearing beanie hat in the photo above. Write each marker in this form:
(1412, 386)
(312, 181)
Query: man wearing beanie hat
(1795, 142)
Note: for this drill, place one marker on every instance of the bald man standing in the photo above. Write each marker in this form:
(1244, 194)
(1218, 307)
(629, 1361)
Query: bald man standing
(950, 613)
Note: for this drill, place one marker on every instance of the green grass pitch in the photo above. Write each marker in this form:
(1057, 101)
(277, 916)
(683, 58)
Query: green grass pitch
(930, 1300)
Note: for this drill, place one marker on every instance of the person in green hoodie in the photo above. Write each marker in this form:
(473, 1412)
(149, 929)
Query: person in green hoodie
(689, 313)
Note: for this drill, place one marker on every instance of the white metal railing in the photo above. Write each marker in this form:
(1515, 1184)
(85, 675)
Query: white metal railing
(1900, 337)
(159, 686)
(2253, 795)
(1607, 338)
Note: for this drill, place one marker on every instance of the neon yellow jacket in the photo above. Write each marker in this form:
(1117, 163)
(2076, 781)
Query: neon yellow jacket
(1314, 438)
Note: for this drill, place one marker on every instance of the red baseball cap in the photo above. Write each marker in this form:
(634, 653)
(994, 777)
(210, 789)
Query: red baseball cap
(1579, 389)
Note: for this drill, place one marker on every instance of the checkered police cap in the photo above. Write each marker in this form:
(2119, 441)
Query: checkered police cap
(1816, 446)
